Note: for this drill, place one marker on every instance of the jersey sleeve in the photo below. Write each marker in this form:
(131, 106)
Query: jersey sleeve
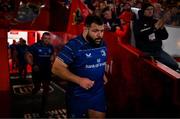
(67, 53)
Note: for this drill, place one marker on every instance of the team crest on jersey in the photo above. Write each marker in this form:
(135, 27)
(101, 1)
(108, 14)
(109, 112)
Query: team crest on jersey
(77, 17)
(103, 53)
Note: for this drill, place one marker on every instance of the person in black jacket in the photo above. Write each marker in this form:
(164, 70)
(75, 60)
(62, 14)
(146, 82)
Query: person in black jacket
(149, 34)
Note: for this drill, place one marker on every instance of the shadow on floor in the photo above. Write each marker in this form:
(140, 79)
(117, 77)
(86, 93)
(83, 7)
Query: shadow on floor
(26, 105)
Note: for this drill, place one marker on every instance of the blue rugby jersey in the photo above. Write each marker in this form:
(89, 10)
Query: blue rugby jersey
(41, 54)
(85, 61)
(21, 49)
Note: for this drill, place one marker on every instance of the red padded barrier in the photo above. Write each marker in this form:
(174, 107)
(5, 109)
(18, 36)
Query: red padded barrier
(133, 78)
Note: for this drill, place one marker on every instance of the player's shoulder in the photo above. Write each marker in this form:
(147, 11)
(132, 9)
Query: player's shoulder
(75, 43)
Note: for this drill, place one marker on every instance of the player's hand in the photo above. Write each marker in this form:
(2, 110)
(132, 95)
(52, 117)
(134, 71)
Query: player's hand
(107, 27)
(86, 83)
(105, 79)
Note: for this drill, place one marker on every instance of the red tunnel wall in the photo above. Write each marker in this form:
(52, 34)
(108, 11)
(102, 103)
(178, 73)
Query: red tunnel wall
(4, 75)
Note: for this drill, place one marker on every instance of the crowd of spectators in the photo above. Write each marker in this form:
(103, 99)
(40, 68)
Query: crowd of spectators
(148, 22)
(117, 7)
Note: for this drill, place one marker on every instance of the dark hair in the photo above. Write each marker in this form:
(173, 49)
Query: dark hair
(146, 5)
(46, 33)
(105, 9)
(93, 19)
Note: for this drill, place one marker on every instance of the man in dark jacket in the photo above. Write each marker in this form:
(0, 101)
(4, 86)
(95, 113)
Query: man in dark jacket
(149, 34)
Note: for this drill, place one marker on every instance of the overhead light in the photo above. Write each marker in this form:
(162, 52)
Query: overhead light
(42, 6)
(20, 3)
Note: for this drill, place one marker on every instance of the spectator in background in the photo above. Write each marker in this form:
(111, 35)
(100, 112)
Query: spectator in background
(158, 11)
(175, 15)
(123, 32)
(118, 6)
(149, 34)
(99, 7)
(89, 4)
(96, 11)
(111, 21)
(126, 6)
(138, 4)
